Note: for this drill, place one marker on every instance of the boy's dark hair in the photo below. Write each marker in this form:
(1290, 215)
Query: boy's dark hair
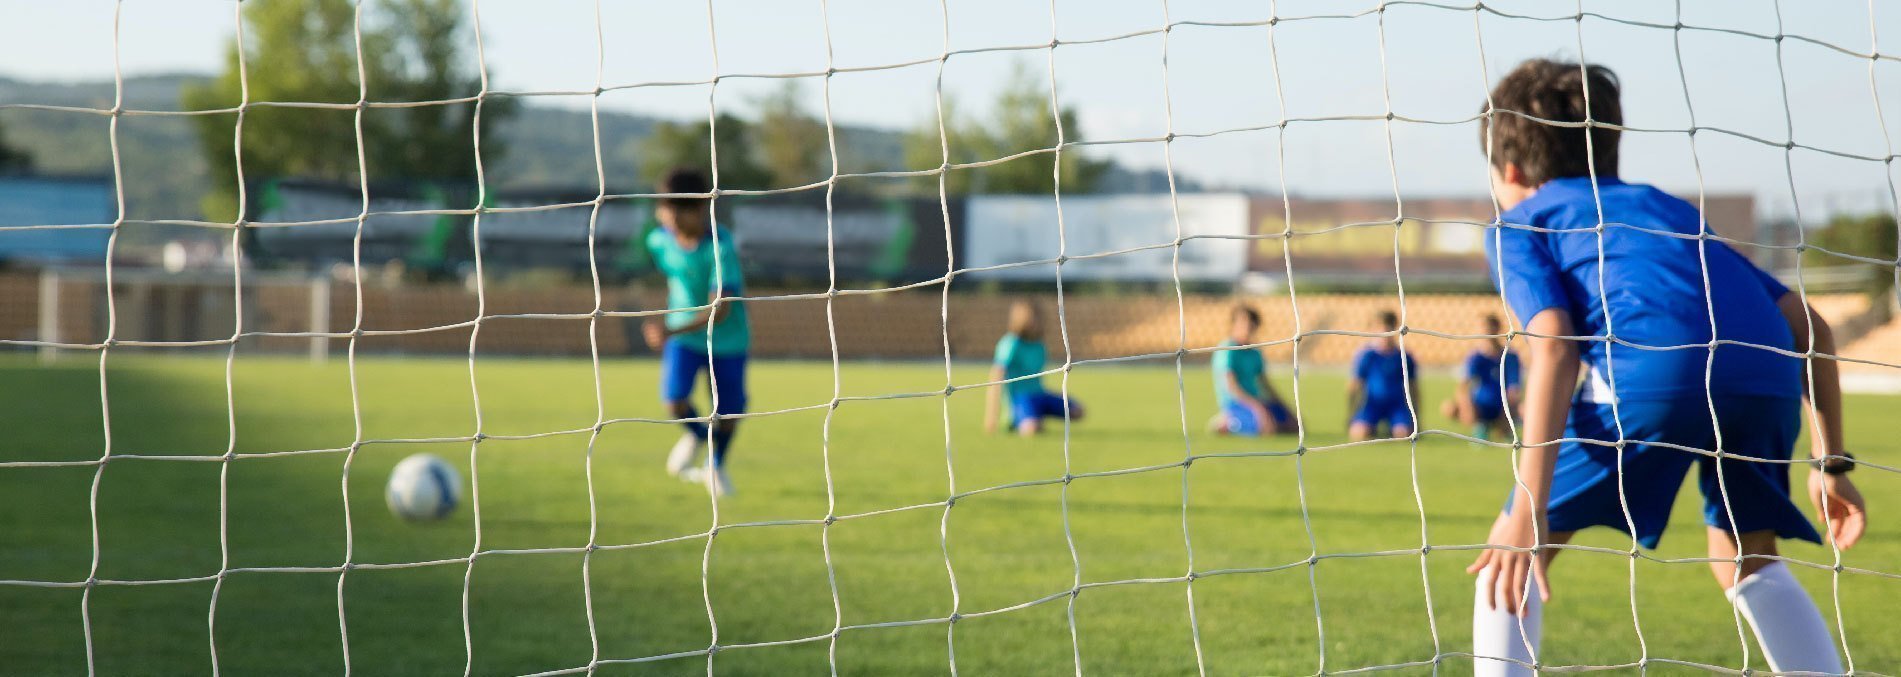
(1389, 320)
(1553, 91)
(1492, 323)
(684, 180)
(1254, 317)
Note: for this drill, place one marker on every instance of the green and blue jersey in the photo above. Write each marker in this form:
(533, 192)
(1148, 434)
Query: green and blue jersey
(1019, 357)
(1246, 365)
(692, 282)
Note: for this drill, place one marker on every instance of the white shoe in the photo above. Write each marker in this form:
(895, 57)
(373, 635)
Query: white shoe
(685, 455)
(693, 475)
(717, 483)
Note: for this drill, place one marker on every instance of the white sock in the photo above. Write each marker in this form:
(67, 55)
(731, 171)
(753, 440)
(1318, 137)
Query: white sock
(1496, 633)
(1788, 627)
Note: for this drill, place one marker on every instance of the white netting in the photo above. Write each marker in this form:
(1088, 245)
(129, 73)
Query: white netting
(954, 492)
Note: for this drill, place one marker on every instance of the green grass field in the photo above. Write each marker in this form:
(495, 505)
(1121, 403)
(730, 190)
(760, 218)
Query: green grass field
(1006, 549)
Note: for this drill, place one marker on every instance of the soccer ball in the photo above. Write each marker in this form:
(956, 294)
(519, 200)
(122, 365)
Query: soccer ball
(423, 487)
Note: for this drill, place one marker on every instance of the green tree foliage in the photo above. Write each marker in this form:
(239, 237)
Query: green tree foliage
(13, 160)
(1020, 120)
(687, 144)
(791, 142)
(1869, 235)
(307, 51)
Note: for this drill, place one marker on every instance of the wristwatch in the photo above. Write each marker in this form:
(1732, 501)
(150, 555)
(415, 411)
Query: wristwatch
(1838, 464)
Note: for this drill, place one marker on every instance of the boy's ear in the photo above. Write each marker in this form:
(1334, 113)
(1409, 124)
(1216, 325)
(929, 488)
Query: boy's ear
(1513, 174)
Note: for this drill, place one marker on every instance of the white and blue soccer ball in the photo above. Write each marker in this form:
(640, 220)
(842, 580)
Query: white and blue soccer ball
(423, 487)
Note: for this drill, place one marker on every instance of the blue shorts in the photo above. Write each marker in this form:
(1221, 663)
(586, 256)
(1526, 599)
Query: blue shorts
(1487, 410)
(1241, 419)
(1037, 405)
(1584, 488)
(1394, 413)
(681, 365)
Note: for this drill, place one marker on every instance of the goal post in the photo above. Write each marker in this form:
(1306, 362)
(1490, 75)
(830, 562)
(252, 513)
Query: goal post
(159, 308)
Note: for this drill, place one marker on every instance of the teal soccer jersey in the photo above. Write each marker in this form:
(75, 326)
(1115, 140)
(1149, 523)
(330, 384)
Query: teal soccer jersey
(1020, 358)
(691, 283)
(1245, 364)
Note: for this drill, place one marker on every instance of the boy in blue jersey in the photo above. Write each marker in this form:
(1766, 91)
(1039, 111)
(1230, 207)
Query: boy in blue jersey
(1488, 384)
(1249, 405)
(1563, 274)
(1020, 354)
(1377, 388)
(707, 330)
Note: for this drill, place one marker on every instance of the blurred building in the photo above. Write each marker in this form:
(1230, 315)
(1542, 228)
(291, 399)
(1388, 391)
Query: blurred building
(55, 201)
(1352, 241)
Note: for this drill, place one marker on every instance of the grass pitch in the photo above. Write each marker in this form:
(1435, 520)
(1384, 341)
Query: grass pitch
(1002, 561)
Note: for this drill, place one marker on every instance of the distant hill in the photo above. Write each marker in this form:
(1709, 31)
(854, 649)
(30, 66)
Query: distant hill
(166, 175)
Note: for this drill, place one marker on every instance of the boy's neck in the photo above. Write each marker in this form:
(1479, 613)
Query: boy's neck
(688, 240)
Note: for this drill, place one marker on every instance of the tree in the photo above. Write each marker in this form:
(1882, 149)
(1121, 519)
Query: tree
(13, 160)
(1019, 121)
(686, 144)
(306, 51)
(1869, 235)
(791, 143)
(428, 62)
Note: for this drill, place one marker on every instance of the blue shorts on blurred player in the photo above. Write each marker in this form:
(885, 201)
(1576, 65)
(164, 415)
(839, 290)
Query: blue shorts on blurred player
(1039, 404)
(1242, 421)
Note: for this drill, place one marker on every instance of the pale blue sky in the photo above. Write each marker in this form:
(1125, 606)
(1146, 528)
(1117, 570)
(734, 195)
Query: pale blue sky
(1220, 77)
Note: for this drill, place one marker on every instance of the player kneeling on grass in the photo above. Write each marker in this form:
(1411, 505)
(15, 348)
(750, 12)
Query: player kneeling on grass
(1377, 388)
(1488, 384)
(1020, 354)
(1249, 405)
(1653, 294)
(702, 333)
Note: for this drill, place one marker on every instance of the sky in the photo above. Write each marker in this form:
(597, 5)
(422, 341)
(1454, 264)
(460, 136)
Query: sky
(1436, 65)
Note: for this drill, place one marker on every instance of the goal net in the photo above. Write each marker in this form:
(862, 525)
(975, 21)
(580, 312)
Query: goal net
(190, 494)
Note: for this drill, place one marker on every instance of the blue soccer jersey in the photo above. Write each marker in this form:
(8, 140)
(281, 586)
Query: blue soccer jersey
(1651, 294)
(1482, 370)
(1383, 373)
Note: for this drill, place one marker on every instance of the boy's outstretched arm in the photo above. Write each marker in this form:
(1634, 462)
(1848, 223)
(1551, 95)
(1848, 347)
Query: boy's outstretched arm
(657, 332)
(992, 399)
(1835, 496)
(1463, 396)
(1418, 402)
(1356, 394)
(1551, 378)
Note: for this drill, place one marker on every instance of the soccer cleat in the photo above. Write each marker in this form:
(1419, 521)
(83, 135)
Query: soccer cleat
(685, 454)
(717, 483)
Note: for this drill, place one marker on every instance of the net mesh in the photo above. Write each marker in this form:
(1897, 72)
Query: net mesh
(954, 492)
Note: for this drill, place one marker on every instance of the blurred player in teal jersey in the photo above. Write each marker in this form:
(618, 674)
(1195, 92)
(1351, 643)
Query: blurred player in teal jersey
(1249, 405)
(1020, 355)
(703, 334)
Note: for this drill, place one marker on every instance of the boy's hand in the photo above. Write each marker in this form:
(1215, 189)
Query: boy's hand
(655, 333)
(1837, 499)
(1511, 568)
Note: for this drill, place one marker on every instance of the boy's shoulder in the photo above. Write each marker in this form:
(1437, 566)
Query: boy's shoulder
(1579, 202)
(658, 237)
